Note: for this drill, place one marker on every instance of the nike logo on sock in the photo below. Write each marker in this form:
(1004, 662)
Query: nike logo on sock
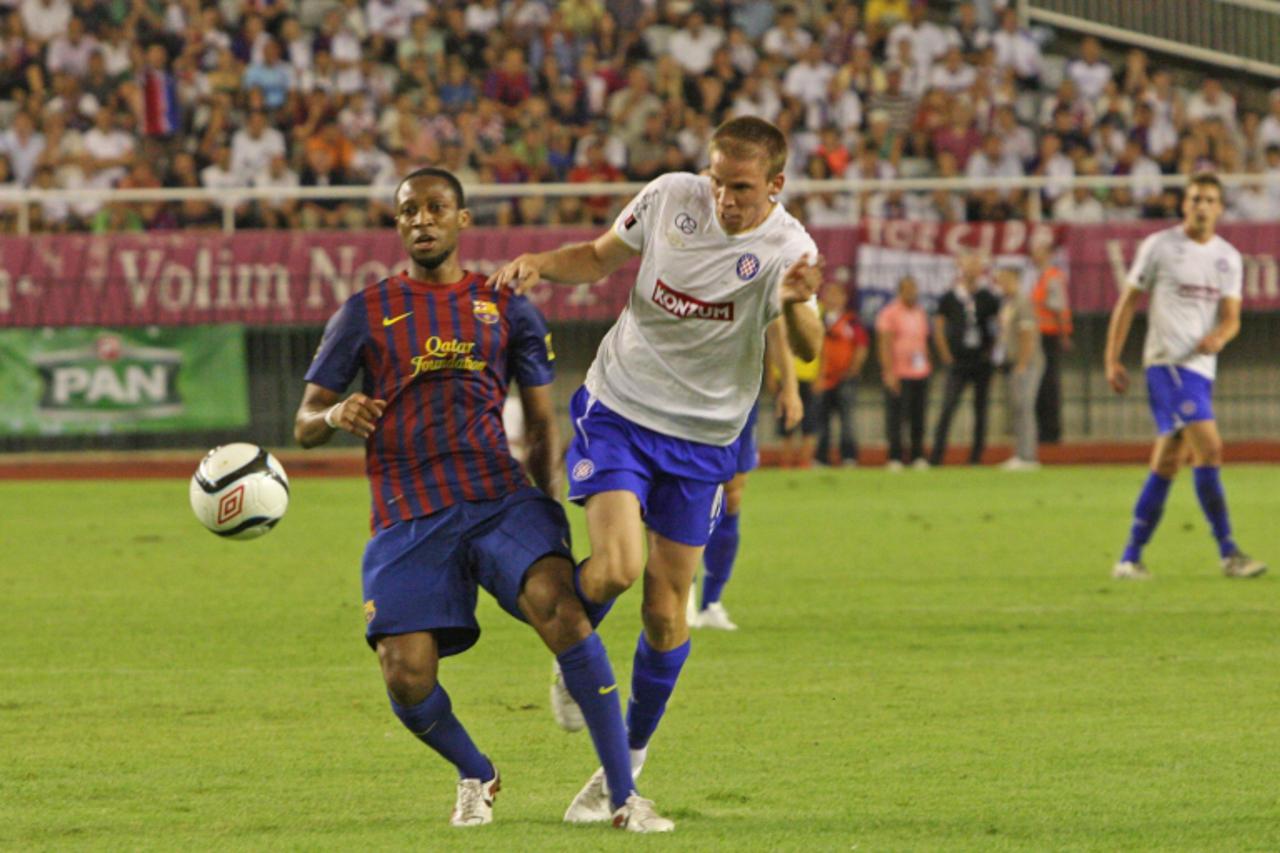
(605, 691)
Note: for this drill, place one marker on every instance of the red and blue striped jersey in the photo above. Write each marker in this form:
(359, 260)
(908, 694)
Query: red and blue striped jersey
(442, 357)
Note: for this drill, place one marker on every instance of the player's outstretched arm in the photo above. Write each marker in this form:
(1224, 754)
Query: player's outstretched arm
(804, 327)
(323, 412)
(1228, 327)
(577, 263)
(542, 438)
(1117, 334)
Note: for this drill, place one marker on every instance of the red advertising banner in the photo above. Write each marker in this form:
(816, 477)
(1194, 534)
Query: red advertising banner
(270, 278)
(282, 278)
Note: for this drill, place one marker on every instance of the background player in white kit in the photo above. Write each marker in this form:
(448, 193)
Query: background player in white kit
(672, 385)
(1194, 278)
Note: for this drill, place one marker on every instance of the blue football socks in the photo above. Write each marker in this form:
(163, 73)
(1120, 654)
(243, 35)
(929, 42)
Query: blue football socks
(432, 722)
(721, 551)
(1146, 515)
(653, 678)
(595, 610)
(1213, 500)
(589, 679)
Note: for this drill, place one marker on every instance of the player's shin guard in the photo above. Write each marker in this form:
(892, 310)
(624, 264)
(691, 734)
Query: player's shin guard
(1213, 500)
(653, 678)
(432, 722)
(595, 610)
(589, 679)
(721, 551)
(1146, 515)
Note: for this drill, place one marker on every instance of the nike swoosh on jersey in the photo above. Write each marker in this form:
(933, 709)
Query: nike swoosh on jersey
(605, 691)
(391, 321)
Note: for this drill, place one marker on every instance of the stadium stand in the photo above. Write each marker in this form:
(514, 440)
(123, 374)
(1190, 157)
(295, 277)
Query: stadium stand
(278, 93)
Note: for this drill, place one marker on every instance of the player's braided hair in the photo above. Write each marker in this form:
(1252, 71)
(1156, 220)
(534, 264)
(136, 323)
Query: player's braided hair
(748, 136)
(442, 174)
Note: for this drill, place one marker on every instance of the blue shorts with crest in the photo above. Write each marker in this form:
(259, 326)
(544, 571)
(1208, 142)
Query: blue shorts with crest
(679, 483)
(1178, 396)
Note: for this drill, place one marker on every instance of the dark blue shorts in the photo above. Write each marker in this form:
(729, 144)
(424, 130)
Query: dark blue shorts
(748, 450)
(422, 575)
(1178, 396)
(680, 483)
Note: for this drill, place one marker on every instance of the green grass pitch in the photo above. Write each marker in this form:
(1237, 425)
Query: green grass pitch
(927, 661)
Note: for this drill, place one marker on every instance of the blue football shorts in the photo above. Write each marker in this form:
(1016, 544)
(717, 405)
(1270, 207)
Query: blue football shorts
(1178, 396)
(423, 574)
(679, 483)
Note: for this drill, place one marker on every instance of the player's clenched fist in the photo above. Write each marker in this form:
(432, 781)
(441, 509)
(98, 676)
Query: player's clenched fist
(802, 280)
(519, 275)
(357, 415)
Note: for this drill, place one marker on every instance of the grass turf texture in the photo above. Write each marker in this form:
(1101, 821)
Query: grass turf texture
(927, 661)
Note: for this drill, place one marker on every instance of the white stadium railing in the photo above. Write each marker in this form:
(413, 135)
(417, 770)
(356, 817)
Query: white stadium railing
(22, 199)
(1243, 35)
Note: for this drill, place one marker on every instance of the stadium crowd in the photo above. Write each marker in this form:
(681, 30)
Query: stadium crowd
(281, 93)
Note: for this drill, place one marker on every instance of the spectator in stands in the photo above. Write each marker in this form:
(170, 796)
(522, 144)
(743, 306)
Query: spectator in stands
(787, 40)
(694, 44)
(959, 137)
(282, 212)
(596, 170)
(1015, 48)
(894, 100)
(272, 75)
(964, 332)
(902, 346)
(1269, 129)
(808, 80)
(884, 14)
(992, 164)
(1080, 205)
(928, 41)
(69, 51)
(1020, 335)
(844, 351)
(1212, 102)
(43, 20)
(973, 36)
(952, 75)
(1089, 71)
(22, 147)
(219, 175)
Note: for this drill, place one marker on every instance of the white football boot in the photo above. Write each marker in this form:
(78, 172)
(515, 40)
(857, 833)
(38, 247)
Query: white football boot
(474, 806)
(563, 706)
(1241, 565)
(592, 804)
(1126, 570)
(691, 606)
(639, 815)
(715, 616)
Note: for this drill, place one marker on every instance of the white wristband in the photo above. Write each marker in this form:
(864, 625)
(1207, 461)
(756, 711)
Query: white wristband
(328, 416)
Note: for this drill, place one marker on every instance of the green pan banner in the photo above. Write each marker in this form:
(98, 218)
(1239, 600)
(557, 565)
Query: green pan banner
(104, 381)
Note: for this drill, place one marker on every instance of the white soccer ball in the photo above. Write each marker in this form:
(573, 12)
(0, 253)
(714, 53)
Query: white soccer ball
(239, 491)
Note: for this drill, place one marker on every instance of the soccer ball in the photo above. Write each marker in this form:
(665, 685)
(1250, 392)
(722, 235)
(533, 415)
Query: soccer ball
(239, 491)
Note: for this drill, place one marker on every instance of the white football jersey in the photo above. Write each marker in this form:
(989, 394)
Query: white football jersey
(685, 357)
(1186, 281)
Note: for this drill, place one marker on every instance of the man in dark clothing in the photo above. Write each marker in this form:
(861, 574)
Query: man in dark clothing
(964, 333)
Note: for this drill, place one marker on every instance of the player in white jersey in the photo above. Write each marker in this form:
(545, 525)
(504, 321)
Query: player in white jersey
(722, 267)
(1194, 281)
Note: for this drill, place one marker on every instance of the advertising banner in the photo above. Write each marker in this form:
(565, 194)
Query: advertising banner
(287, 278)
(109, 381)
(272, 278)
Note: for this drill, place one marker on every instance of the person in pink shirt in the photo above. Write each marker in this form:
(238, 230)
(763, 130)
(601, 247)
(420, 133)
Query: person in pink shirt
(902, 344)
